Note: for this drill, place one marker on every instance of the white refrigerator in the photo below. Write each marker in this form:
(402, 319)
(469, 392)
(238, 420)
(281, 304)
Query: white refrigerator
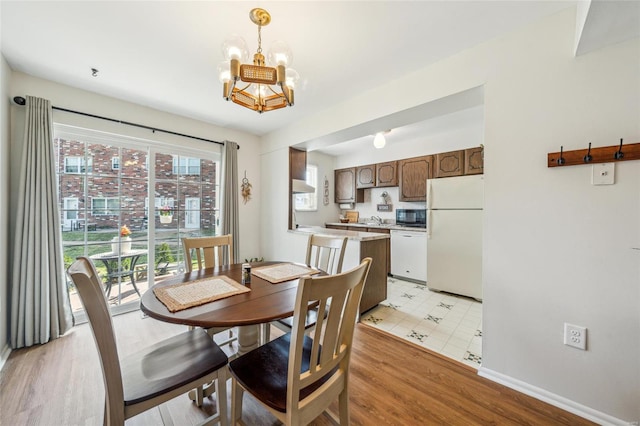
(454, 235)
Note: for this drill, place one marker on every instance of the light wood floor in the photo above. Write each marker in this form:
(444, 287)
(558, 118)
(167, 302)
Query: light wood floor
(392, 383)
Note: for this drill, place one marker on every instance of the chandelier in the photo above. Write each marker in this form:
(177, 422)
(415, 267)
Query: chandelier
(267, 87)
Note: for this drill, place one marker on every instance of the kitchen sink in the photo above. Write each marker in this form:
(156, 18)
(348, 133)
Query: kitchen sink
(379, 225)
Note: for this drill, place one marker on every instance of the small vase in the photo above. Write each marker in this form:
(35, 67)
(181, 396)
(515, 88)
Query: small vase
(166, 219)
(122, 245)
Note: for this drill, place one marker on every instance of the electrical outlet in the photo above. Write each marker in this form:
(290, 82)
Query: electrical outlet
(603, 174)
(575, 336)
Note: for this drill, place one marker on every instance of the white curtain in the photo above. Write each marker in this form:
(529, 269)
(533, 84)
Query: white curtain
(230, 189)
(40, 308)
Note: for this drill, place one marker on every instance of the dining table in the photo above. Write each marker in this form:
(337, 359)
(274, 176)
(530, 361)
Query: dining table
(265, 302)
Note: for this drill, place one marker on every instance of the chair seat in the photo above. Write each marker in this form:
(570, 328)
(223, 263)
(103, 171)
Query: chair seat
(310, 320)
(170, 364)
(264, 371)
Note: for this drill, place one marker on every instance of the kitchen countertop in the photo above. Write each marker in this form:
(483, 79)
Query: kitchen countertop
(384, 226)
(351, 235)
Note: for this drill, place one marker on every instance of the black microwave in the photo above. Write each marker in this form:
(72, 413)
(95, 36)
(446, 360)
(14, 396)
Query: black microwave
(411, 217)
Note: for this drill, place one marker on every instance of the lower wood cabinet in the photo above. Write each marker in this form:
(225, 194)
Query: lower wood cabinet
(335, 227)
(375, 289)
(384, 231)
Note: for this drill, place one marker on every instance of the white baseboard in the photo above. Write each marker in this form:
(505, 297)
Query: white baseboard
(553, 399)
(4, 355)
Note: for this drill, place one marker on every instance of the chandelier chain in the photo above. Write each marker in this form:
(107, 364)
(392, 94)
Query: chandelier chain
(259, 38)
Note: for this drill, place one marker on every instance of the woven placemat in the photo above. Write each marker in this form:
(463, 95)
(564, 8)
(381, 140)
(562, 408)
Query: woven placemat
(182, 296)
(283, 272)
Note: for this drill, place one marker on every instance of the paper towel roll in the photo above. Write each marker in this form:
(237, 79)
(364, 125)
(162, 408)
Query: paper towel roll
(346, 206)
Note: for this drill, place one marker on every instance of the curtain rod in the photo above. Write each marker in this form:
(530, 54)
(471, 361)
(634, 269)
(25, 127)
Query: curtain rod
(22, 101)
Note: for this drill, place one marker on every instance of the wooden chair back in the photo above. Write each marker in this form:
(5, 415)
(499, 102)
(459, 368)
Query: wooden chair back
(209, 251)
(89, 287)
(332, 340)
(326, 253)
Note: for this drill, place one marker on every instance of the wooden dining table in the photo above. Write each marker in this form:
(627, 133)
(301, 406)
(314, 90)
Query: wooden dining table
(264, 303)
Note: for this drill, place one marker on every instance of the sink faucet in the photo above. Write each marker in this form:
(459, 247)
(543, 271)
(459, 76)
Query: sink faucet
(377, 219)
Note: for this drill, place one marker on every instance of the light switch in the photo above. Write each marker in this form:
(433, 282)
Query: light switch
(603, 174)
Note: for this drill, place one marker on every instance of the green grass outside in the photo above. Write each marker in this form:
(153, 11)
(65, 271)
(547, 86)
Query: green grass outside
(167, 245)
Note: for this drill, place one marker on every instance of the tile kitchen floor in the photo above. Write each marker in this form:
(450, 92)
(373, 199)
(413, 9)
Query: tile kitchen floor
(444, 323)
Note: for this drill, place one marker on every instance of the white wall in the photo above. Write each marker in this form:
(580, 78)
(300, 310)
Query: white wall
(330, 212)
(276, 242)
(556, 249)
(5, 76)
(80, 100)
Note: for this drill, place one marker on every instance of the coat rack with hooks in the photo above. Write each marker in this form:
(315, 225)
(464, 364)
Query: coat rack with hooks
(604, 154)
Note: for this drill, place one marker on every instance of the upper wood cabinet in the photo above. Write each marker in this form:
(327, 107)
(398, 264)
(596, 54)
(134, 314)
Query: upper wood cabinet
(366, 176)
(345, 185)
(412, 175)
(449, 164)
(387, 174)
(474, 161)
(297, 170)
(297, 164)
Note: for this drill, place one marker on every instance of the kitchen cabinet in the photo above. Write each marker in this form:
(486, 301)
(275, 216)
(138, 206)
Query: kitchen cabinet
(366, 176)
(335, 227)
(474, 161)
(359, 246)
(387, 174)
(345, 186)
(297, 170)
(375, 289)
(449, 164)
(297, 164)
(384, 231)
(412, 175)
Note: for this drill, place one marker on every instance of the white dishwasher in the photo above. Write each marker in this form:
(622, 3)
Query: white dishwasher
(409, 254)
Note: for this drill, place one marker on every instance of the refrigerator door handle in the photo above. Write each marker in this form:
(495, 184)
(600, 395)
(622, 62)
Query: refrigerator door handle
(430, 216)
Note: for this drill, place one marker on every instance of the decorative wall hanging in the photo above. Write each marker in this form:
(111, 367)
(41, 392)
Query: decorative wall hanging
(246, 188)
(325, 196)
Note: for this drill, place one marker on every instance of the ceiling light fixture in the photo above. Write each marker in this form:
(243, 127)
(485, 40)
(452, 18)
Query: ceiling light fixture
(379, 140)
(269, 87)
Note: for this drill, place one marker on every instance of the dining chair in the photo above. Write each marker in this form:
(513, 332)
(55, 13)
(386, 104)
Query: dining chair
(209, 251)
(296, 376)
(152, 375)
(325, 253)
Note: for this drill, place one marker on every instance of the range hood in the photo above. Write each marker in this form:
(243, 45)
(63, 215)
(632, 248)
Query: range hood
(299, 186)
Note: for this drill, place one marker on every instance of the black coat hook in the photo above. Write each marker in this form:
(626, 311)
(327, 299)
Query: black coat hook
(619, 155)
(587, 158)
(560, 160)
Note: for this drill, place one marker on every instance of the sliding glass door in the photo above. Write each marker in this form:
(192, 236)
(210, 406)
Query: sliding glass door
(129, 214)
